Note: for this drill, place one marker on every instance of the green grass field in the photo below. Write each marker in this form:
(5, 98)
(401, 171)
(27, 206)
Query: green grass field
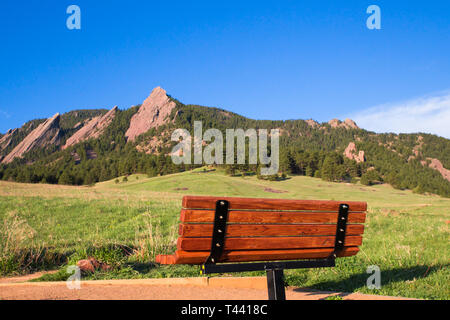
(126, 224)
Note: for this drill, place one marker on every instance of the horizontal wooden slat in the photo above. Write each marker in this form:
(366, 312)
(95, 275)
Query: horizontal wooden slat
(266, 243)
(276, 230)
(165, 259)
(192, 216)
(199, 257)
(203, 202)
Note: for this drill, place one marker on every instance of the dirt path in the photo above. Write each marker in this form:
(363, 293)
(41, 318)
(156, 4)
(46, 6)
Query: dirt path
(164, 289)
(25, 278)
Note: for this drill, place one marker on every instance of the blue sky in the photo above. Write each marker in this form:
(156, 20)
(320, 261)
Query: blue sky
(261, 59)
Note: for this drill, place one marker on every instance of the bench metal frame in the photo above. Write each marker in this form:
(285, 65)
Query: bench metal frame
(274, 269)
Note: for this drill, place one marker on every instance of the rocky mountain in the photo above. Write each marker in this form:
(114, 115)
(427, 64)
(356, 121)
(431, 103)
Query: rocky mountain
(153, 113)
(92, 129)
(86, 146)
(47, 133)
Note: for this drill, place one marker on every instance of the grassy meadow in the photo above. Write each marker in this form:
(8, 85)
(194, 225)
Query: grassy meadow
(125, 224)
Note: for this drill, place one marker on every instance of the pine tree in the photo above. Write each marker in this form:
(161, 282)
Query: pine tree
(65, 178)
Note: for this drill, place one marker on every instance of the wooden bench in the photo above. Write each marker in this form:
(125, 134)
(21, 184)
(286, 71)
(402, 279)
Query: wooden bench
(243, 234)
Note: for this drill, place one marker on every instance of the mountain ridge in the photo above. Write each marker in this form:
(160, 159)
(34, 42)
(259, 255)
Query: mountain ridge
(143, 133)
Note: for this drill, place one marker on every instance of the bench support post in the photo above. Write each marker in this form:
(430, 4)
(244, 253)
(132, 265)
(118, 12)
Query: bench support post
(219, 231)
(275, 284)
(341, 229)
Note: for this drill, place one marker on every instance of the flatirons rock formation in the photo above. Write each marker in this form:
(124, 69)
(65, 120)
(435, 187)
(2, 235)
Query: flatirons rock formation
(159, 110)
(152, 113)
(93, 129)
(47, 133)
(6, 139)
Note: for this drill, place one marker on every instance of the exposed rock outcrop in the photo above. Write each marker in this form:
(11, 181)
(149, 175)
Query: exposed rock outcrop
(151, 146)
(347, 124)
(352, 154)
(437, 165)
(334, 123)
(5, 140)
(312, 123)
(47, 133)
(93, 129)
(350, 124)
(416, 149)
(152, 114)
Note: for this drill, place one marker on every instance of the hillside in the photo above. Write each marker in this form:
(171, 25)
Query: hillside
(88, 146)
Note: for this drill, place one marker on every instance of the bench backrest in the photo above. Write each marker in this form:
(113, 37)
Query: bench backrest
(266, 229)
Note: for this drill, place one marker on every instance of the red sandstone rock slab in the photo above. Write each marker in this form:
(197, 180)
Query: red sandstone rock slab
(47, 133)
(153, 113)
(93, 129)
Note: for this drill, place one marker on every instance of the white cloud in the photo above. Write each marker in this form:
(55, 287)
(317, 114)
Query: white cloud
(430, 114)
(5, 114)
